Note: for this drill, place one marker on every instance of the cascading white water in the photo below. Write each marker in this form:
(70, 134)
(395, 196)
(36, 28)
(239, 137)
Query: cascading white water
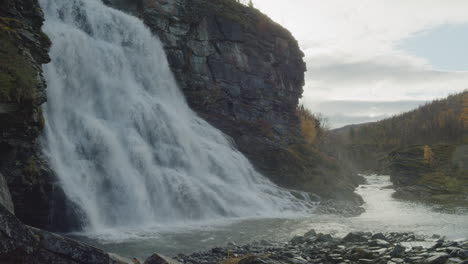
(127, 148)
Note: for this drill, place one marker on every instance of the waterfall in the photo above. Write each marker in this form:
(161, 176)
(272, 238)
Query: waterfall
(126, 147)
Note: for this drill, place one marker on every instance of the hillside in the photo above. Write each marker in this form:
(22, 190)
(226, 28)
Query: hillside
(422, 148)
(440, 121)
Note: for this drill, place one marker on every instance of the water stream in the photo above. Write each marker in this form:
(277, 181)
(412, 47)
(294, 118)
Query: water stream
(151, 176)
(126, 147)
(383, 214)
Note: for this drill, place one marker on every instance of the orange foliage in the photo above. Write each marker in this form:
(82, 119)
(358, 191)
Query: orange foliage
(310, 128)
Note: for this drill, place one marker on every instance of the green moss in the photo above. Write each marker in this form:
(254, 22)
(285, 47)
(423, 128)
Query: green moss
(18, 79)
(31, 168)
(40, 118)
(8, 24)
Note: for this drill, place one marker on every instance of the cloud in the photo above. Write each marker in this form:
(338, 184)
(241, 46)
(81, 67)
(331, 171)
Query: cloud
(353, 49)
(381, 78)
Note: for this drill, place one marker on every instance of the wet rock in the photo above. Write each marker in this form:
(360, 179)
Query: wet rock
(324, 238)
(463, 254)
(379, 236)
(331, 252)
(356, 237)
(379, 243)
(397, 251)
(453, 261)
(297, 240)
(437, 259)
(159, 259)
(310, 234)
(20, 244)
(218, 250)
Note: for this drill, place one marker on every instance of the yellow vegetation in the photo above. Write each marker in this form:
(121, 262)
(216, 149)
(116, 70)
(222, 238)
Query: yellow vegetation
(428, 154)
(231, 261)
(310, 127)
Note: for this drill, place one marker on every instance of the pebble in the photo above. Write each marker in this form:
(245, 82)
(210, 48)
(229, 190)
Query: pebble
(354, 248)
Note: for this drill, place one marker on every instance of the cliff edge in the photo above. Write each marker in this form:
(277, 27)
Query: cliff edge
(244, 73)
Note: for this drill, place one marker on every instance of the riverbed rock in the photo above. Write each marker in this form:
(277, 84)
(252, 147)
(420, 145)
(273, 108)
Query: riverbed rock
(379, 243)
(159, 259)
(437, 259)
(356, 237)
(325, 252)
(28, 245)
(397, 251)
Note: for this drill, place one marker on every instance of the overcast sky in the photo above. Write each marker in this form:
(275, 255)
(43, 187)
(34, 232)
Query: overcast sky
(391, 55)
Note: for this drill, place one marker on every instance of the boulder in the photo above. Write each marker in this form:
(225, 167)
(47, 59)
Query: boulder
(28, 245)
(356, 237)
(159, 259)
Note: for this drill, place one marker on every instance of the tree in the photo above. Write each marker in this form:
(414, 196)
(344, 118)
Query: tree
(251, 5)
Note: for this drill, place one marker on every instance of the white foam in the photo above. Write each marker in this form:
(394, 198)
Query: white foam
(125, 145)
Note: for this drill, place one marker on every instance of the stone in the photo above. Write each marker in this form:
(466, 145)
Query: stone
(159, 259)
(297, 240)
(324, 238)
(379, 243)
(437, 259)
(310, 233)
(397, 251)
(28, 245)
(463, 254)
(355, 237)
(453, 261)
(379, 236)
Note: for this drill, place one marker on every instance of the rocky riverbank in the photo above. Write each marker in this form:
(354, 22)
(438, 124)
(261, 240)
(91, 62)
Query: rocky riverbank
(356, 247)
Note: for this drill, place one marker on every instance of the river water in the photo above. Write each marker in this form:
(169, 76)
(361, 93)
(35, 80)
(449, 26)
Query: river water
(383, 214)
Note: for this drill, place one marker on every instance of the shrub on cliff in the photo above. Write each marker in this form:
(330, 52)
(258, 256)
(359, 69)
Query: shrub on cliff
(313, 126)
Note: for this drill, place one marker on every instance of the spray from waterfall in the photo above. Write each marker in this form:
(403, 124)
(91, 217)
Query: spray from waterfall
(126, 147)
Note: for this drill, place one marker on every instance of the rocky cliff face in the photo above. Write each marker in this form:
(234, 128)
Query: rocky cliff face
(244, 74)
(23, 48)
(239, 70)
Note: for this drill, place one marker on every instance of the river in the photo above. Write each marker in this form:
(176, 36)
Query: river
(383, 214)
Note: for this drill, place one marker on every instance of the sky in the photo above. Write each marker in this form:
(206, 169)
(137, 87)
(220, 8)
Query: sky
(370, 59)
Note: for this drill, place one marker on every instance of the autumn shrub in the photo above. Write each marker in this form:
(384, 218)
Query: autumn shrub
(313, 126)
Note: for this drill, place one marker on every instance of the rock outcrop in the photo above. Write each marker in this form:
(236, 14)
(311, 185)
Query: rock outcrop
(238, 70)
(432, 173)
(244, 74)
(23, 49)
(27, 245)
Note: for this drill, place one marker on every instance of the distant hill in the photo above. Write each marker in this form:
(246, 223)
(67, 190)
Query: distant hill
(424, 150)
(344, 131)
(440, 121)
